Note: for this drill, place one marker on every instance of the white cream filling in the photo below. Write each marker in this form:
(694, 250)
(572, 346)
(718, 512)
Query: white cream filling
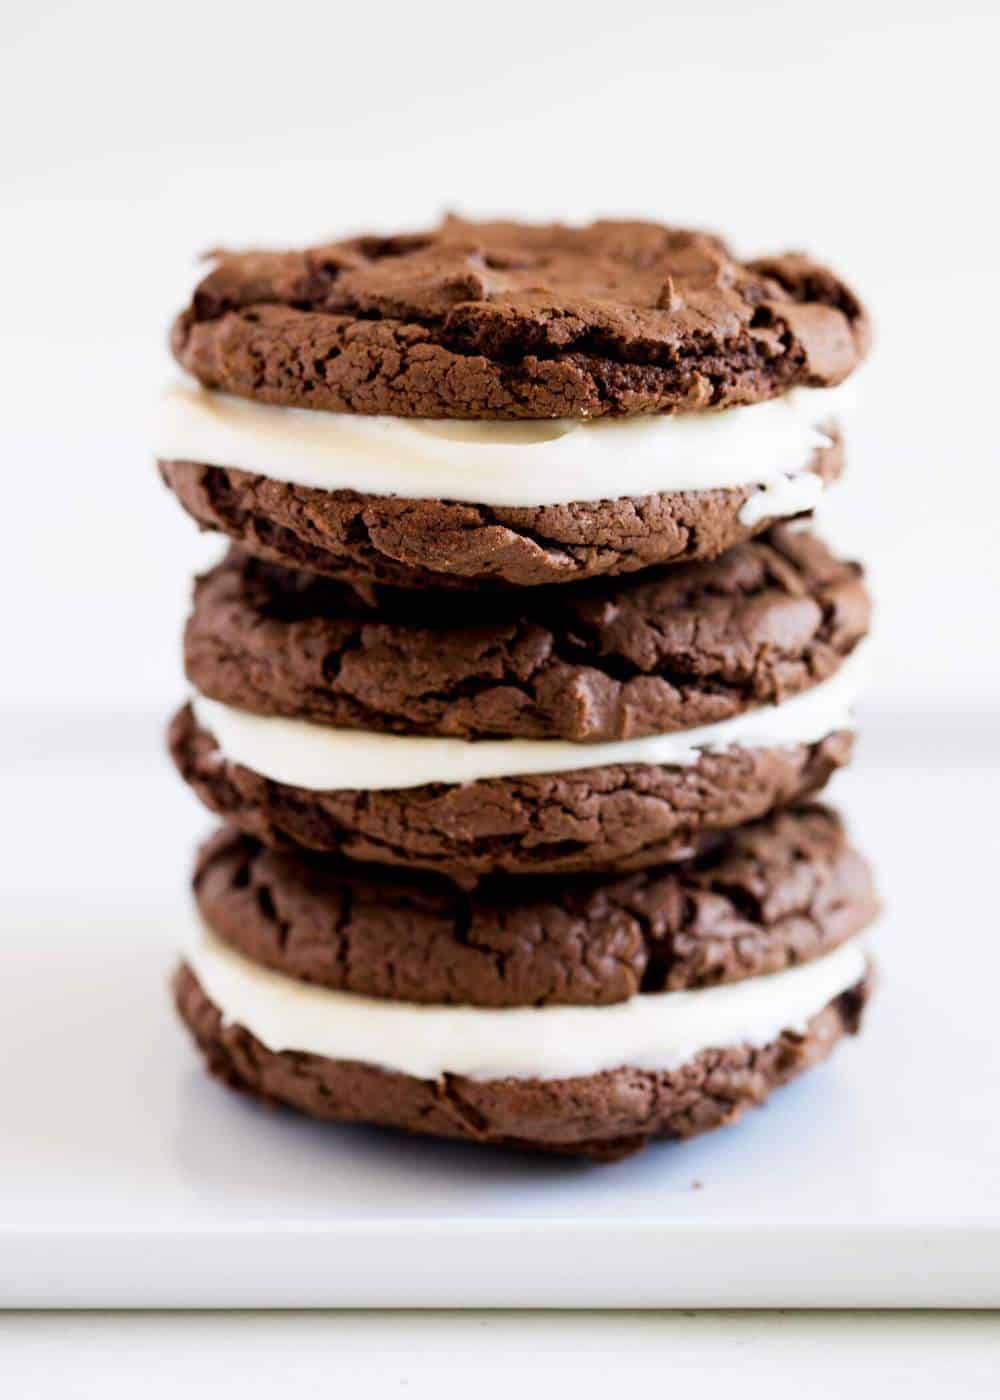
(531, 463)
(321, 758)
(655, 1031)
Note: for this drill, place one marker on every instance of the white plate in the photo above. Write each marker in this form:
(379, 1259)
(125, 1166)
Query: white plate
(127, 1178)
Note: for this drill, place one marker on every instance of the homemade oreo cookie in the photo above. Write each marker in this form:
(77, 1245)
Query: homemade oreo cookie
(356, 402)
(580, 1016)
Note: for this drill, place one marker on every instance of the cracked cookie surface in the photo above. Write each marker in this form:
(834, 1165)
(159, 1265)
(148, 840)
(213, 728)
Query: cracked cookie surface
(621, 817)
(686, 646)
(767, 897)
(512, 320)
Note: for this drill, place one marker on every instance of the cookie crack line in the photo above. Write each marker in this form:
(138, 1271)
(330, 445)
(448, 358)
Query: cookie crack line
(586, 348)
(732, 372)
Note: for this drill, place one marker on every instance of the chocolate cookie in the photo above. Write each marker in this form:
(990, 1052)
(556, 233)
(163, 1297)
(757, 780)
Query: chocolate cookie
(683, 647)
(508, 320)
(603, 1116)
(402, 542)
(769, 896)
(619, 817)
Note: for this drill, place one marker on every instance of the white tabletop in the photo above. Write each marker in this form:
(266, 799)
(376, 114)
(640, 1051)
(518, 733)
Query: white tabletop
(774, 1356)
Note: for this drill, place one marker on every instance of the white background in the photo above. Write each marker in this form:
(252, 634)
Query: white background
(135, 136)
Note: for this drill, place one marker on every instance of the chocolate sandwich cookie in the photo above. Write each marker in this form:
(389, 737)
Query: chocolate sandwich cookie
(613, 727)
(507, 404)
(583, 1017)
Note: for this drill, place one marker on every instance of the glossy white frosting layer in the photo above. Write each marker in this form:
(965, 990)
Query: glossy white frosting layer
(530, 463)
(657, 1031)
(321, 758)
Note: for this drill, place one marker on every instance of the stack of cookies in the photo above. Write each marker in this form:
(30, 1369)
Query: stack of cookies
(516, 682)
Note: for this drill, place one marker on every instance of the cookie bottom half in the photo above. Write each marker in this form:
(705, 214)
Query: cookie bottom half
(602, 1116)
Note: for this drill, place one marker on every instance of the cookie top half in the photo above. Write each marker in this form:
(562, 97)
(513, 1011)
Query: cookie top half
(666, 651)
(771, 895)
(506, 320)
